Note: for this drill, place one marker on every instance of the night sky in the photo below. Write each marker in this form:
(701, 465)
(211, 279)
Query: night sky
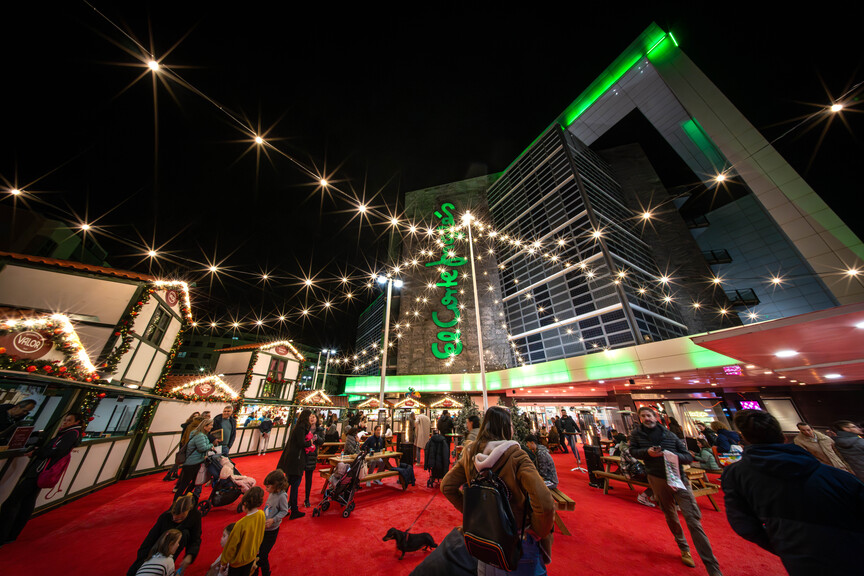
(382, 102)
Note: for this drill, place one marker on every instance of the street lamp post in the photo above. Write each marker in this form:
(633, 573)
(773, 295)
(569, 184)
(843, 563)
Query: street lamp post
(467, 218)
(315, 377)
(326, 366)
(389, 281)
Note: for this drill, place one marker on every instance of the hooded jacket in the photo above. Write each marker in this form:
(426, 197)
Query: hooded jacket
(851, 448)
(809, 514)
(514, 467)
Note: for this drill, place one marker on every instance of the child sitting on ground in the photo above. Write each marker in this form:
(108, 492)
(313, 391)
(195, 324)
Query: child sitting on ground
(161, 562)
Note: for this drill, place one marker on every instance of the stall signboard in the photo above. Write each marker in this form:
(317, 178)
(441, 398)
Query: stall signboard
(30, 344)
(172, 298)
(19, 437)
(281, 350)
(205, 389)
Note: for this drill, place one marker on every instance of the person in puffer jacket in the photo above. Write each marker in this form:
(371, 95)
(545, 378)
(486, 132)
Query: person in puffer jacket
(315, 437)
(780, 497)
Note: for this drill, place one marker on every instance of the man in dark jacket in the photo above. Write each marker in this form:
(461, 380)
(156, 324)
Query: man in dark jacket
(375, 443)
(226, 423)
(569, 429)
(782, 498)
(850, 446)
(648, 442)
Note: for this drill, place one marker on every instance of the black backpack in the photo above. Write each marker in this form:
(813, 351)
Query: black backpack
(488, 526)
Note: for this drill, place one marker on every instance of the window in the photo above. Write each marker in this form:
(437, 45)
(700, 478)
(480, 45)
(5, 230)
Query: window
(275, 373)
(158, 325)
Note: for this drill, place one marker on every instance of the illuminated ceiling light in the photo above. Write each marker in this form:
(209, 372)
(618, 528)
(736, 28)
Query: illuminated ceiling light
(235, 324)
(194, 324)
(85, 227)
(664, 279)
(323, 182)
(394, 222)
(853, 272)
(776, 280)
(597, 233)
(308, 282)
(667, 299)
(600, 382)
(151, 253)
(720, 177)
(833, 376)
(836, 107)
(716, 280)
(213, 269)
(646, 215)
(326, 304)
(786, 353)
(767, 372)
(212, 324)
(713, 383)
(752, 315)
(642, 290)
(723, 311)
(259, 140)
(281, 318)
(677, 377)
(15, 191)
(153, 65)
(696, 304)
(361, 208)
(259, 322)
(304, 312)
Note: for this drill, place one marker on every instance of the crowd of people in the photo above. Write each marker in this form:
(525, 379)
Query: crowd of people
(802, 500)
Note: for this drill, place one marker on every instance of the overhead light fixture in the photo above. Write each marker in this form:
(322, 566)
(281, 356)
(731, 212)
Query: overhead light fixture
(750, 366)
(786, 353)
(833, 376)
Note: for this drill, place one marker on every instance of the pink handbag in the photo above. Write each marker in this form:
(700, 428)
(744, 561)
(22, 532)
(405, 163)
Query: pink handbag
(51, 475)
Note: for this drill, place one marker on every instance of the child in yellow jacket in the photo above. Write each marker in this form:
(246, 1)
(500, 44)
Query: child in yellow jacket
(241, 549)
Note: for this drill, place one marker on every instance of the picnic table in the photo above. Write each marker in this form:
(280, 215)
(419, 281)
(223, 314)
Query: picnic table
(348, 458)
(696, 476)
(605, 445)
(328, 449)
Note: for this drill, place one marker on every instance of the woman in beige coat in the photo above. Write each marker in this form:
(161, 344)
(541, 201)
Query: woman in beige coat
(422, 427)
(494, 449)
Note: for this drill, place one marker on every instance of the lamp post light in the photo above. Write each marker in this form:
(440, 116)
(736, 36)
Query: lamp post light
(315, 376)
(390, 282)
(326, 366)
(467, 218)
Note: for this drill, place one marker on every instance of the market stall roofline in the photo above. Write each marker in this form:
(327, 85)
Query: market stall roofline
(29, 379)
(79, 266)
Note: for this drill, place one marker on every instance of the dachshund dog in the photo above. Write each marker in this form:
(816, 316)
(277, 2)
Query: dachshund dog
(406, 542)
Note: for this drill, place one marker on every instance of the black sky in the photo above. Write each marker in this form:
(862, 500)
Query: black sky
(396, 98)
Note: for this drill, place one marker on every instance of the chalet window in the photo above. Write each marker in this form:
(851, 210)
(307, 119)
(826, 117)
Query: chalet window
(275, 373)
(158, 325)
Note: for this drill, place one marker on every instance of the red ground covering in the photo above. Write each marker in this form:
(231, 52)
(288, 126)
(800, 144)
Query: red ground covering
(612, 535)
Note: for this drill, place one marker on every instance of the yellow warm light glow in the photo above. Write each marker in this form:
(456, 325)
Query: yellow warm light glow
(215, 380)
(259, 140)
(153, 65)
(836, 107)
(323, 182)
(15, 191)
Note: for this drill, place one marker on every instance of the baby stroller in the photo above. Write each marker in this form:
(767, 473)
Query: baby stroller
(223, 492)
(342, 485)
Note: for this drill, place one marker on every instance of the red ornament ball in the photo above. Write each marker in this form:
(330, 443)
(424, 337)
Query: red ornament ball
(47, 368)
(31, 368)
(90, 419)
(2, 350)
(88, 379)
(61, 369)
(102, 394)
(58, 331)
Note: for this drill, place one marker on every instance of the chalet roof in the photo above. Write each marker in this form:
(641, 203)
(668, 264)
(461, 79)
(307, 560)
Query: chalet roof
(78, 266)
(265, 346)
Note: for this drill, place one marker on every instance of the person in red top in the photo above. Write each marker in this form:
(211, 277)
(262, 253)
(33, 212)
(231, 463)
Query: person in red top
(19, 506)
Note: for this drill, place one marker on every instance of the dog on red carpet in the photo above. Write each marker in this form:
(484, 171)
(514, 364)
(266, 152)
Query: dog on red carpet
(406, 542)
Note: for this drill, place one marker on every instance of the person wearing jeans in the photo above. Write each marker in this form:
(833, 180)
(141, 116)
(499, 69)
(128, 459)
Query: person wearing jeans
(569, 430)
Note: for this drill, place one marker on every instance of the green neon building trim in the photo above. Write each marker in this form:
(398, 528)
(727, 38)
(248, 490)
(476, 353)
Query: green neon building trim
(699, 137)
(673, 39)
(649, 40)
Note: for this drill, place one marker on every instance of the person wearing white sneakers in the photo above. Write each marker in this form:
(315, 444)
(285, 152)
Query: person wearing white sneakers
(648, 442)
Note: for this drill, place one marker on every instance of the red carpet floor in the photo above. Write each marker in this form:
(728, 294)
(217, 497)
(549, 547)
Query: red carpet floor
(612, 535)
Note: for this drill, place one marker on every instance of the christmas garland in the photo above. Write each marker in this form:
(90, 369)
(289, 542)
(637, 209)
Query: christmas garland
(71, 368)
(124, 332)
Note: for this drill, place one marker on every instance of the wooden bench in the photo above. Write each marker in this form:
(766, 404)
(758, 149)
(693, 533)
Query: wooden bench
(697, 477)
(562, 502)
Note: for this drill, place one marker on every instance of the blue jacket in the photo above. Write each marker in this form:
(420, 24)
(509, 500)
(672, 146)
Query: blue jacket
(197, 448)
(725, 439)
(809, 514)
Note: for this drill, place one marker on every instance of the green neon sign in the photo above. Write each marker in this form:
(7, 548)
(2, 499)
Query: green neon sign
(448, 266)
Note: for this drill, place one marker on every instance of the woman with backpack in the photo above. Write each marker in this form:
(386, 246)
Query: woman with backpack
(530, 501)
(49, 462)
